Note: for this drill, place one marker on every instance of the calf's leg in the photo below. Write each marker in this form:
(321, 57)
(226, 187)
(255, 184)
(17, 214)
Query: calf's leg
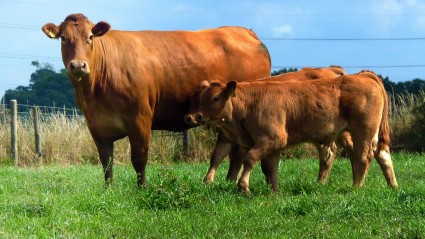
(326, 158)
(236, 156)
(260, 150)
(221, 150)
(384, 160)
(360, 160)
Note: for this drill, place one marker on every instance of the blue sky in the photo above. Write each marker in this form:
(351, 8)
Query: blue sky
(293, 31)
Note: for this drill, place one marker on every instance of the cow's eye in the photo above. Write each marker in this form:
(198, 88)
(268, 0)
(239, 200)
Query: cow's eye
(215, 99)
(62, 39)
(90, 40)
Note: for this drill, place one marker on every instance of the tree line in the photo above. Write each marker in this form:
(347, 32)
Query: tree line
(50, 88)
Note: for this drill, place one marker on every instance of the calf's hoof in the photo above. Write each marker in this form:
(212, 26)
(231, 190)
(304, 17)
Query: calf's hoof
(208, 180)
(244, 187)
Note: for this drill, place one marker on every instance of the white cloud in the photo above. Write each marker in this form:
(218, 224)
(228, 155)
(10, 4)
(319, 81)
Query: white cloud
(387, 7)
(281, 31)
(417, 7)
(388, 12)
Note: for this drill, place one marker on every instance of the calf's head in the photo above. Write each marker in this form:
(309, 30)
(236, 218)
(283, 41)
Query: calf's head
(77, 34)
(208, 102)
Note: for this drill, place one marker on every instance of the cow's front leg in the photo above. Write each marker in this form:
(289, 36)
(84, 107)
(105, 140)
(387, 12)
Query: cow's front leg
(106, 151)
(139, 137)
(270, 167)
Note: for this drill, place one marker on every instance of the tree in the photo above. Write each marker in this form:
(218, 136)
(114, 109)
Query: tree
(415, 86)
(46, 88)
(283, 71)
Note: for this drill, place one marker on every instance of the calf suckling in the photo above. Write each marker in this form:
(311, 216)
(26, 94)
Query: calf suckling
(264, 117)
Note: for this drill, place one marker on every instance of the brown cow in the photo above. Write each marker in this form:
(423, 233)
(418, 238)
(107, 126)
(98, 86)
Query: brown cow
(224, 147)
(267, 116)
(127, 83)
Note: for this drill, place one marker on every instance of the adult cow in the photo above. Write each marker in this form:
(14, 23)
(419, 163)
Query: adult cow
(224, 146)
(267, 116)
(127, 83)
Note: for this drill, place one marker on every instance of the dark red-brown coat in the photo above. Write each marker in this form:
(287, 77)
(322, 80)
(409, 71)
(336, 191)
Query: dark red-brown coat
(267, 116)
(127, 83)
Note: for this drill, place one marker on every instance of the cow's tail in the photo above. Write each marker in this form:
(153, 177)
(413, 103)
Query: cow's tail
(384, 129)
(337, 70)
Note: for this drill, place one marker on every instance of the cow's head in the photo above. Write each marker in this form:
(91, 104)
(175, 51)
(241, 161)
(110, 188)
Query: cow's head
(77, 34)
(208, 102)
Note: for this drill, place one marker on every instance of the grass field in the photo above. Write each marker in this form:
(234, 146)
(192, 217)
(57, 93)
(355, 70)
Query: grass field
(72, 202)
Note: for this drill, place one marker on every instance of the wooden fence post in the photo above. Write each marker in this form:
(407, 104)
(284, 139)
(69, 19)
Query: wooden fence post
(35, 113)
(14, 130)
(186, 140)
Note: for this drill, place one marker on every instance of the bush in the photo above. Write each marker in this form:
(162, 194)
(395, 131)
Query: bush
(418, 128)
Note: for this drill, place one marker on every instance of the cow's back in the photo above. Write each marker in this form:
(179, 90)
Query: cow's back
(165, 67)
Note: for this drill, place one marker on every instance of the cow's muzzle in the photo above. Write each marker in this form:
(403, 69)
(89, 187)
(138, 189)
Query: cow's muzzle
(78, 68)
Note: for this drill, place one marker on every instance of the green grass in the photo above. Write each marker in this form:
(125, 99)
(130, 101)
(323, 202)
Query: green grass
(72, 202)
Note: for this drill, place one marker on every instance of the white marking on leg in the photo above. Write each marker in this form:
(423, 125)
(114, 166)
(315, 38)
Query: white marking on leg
(385, 155)
(375, 141)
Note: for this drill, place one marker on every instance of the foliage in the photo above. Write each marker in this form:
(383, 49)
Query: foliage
(46, 88)
(72, 202)
(283, 71)
(415, 86)
(418, 127)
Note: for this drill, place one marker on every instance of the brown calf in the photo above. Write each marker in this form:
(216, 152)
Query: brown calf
(267, 116)
(224, 147)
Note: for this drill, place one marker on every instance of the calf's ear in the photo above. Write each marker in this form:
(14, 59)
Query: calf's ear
(51, 30)
(230, 88)
(100, 29)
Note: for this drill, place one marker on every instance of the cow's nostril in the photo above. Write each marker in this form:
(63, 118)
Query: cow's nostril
(188, 118)
(84, 66)
(198, 117)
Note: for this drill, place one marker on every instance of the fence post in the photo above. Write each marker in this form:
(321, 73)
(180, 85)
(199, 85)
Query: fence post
(35, 114)
(186, 143)
(14, 130)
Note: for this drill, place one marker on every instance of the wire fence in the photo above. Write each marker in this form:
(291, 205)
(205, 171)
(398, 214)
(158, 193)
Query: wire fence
(164, 144)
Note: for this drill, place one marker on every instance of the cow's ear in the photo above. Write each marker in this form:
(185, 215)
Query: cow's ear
(100, 29)
(230, 89)
(51, 30)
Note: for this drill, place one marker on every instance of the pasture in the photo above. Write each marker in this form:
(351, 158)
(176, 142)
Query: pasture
(72, 202)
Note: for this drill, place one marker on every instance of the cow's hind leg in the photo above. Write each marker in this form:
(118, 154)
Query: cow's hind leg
(384, 160)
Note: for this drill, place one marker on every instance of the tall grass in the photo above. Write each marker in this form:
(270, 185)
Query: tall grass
(66, 139)
(402, 119)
